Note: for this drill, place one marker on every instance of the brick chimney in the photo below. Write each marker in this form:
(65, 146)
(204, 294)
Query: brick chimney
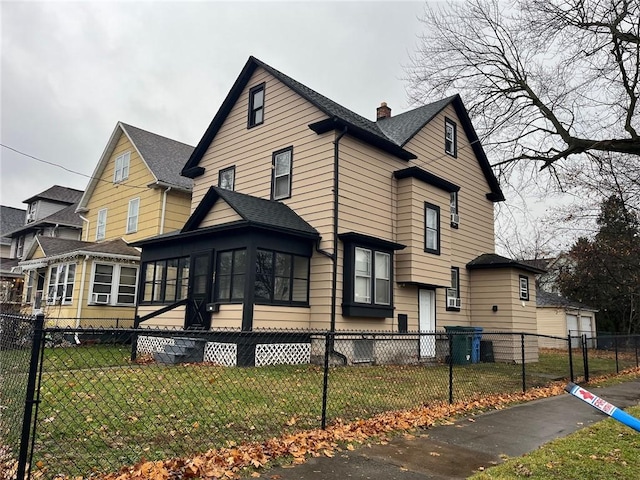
(383, 111)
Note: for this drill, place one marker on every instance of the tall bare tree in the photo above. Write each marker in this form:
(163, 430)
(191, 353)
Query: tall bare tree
(543, 80)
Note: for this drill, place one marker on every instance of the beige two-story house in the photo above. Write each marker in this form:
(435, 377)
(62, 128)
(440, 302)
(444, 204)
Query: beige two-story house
(136, 191)
(306, 215)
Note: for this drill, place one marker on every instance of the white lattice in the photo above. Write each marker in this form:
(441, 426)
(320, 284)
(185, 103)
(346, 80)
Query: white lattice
(225, 354)
(287, 353)
(148, 344)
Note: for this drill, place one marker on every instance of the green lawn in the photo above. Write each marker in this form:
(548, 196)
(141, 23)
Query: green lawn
(99, 412)
(606, 450)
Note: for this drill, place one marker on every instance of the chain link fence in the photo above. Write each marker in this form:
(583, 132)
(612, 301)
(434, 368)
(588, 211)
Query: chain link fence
(110, 397)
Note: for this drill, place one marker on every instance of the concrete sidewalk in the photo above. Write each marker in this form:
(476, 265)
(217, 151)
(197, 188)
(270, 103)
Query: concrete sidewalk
(455, 451)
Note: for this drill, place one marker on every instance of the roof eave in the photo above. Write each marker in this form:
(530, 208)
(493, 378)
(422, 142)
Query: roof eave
(333, 123)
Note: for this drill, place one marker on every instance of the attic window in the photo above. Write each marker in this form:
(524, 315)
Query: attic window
(256, 106)
(450, 139)
(121, 171)
(524, 287)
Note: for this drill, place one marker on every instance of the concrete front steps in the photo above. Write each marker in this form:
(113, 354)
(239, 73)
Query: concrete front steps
(184, 350)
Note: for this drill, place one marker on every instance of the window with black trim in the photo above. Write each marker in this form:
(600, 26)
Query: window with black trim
(281, 278)
(431, 228)
(524, 287)
(166, 281)
(453, 292)
(281, 178)
(227, 178)
(450, 138)
(453, 204)
(368, 281)
(231, 273)
(256, 106)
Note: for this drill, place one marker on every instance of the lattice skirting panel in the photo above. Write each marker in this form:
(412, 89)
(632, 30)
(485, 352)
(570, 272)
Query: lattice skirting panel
(150, 345)
(225, 354)
(283, 353)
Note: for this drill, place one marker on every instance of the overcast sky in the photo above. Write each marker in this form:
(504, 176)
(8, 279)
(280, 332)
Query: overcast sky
(70, 71)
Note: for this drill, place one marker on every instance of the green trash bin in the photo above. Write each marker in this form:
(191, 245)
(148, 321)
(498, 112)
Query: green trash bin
(461, 344)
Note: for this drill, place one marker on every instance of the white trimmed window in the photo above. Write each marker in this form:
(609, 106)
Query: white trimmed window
(113, 284)
(132, 216)
(60, 286)
(101, 224)
(362, 290)
(121, 171)
(453, 292)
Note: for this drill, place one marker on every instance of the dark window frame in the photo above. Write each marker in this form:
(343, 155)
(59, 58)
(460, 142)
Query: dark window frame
(431, 206)
(523, 294)
(351, 308)
(453, 149)
(233, 276)
(161, 283)
(453, 207)
(274, 156)
(233, 180)
(457, 291)
(271, 281)
(251, 120)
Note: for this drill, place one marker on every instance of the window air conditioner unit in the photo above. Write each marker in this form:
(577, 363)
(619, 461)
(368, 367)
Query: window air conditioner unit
(455, 218)
(31, 216)
(101, 298)
(453, 302)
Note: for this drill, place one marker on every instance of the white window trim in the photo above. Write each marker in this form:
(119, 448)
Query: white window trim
(101, 227)
(113, 293)
(64, 282)
(121, 170)
(130, 216)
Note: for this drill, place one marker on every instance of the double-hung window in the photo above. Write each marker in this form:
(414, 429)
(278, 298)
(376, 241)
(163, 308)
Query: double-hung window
(431, 228)
(455, 218)
(368, 276)
(121, 171)
(227, 177)
(256, 106)
(524, 287)
(113, 284)
(450, 138)
(453, 292)
(132, 215)
(61, 281)
(281, 179)
(101, 224)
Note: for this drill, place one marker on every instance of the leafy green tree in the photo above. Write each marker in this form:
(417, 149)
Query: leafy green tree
(604, 272)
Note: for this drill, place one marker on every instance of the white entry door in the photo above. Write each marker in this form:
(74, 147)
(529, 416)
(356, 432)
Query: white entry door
(427, 314)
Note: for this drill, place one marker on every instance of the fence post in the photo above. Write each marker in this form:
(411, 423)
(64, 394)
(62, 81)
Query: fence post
(28, 420)
(328, 342)
(134, 338)
(570, 359)
(636, 344)
(524, 378)
(615, 347)
(585, 357)
(450, 335)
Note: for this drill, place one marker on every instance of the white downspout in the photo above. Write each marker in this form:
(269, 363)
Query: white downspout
(81, 297)
(164, 206)
(86, 235)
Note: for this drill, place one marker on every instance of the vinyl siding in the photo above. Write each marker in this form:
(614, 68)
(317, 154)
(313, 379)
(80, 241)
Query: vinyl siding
(273, 316)
(116, 196)
(172, 319)
(177, 210)
(221, 213)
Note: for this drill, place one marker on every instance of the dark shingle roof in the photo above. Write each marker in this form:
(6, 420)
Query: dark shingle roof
(401, 128)
(10, 219)
(58, 194)
(493, 260)
(254, 211)
(66, 217)
(165, 157)
(546, 299)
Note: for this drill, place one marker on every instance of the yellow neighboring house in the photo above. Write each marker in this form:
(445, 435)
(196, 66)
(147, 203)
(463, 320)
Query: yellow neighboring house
(136, 191)
(307, 215)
